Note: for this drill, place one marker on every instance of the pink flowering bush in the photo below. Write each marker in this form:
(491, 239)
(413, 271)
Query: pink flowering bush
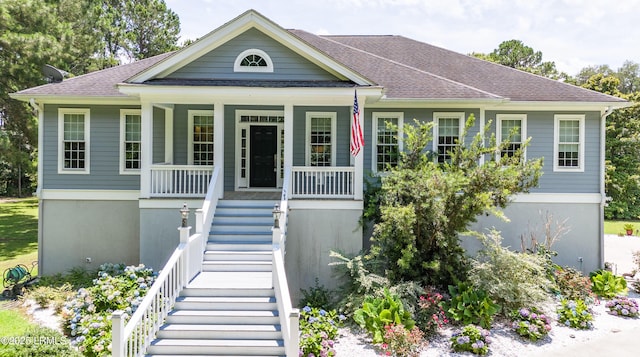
(531, 324)
(400, 342)
(623, 306)
(87, 316)
(430, 315)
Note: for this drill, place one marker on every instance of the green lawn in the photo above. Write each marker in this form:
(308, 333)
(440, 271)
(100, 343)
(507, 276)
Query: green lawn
(617, 227)
(18, 233)
(12, 322)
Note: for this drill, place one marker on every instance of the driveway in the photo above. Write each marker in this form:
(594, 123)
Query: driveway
(619, 250)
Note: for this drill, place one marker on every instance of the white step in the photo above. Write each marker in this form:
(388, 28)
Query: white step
(219, 332)
(260, 204)
(232, 237)
(245, 229)
(225, 303)
(241, 292)
(216, 347)
(242, 218)
(237, 266)
(230, 317)
(234, 255)
(241, 245)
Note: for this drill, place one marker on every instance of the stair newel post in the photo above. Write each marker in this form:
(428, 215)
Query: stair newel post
(117, 321)
(277, 231)
(185, 232)
(199, 221)
(294, 330)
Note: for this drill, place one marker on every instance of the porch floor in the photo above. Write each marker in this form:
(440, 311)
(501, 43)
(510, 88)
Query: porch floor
(232, 280)
(252, 195)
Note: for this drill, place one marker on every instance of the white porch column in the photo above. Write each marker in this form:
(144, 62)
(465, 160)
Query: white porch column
(288, 140)
(146, 155)
(168, 134)
(358, 184)
(218, 141)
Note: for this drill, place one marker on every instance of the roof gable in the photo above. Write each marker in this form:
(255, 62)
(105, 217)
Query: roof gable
(236, 27)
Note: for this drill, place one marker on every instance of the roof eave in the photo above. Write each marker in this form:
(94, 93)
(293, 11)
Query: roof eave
(77, 99)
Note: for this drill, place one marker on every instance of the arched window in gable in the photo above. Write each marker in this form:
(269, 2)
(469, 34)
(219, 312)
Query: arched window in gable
(253, 60)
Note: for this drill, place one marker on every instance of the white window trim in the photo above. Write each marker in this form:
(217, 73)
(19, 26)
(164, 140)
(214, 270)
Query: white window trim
(333, 116)
(436, 122)
(87, 163)
(374, 135)
(253, 51)
(523, 130)
(123, 136)
(556, 142)
(191, 114)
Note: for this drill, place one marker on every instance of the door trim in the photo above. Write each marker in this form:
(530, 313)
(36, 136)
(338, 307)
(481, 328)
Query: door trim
(241, 183)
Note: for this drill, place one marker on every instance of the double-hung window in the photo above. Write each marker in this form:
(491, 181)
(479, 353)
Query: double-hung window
(130, 141)
(388, 140)
(201, 137)
(568, 143)
(73, 141)
(321, 148)
(448, 130)
(511, 128)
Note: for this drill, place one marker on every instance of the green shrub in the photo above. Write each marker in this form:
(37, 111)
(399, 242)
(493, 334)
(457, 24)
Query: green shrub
(54, 296)
(513, 280)
(530, 324)
(572, 285)
(316, 295)
(87, 317)
(400, 342)
(376, 313)
(430, 315)
(40, 341)
(472, 339)
(575, 314)
(607, 285)
(469, 305)
(318, 330)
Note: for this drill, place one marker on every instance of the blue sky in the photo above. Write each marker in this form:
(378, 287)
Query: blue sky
(572, 33)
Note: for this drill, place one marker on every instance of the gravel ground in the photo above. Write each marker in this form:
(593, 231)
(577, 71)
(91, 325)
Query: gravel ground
(561, 341)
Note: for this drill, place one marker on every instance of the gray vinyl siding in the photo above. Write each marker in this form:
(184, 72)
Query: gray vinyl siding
(419, 114)
(218, 64)
(540, 128)
(158, 135)
(104, 152)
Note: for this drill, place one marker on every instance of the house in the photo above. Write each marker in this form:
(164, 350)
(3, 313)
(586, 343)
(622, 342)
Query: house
(270, 109)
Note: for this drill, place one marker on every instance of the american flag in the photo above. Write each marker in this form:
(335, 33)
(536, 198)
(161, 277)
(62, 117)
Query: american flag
(357, 141)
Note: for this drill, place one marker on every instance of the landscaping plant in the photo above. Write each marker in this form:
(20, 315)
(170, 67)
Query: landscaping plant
(607, 285)
(400, 342)
(87, 316)
(469, 305)
(513, 280)
(575, 314)
(376, 313)
(39, 341)
(316, 295)
(572, 285)
(318, 331)
(430, 315)
(472, 339)
(531, 324)
(622, 306)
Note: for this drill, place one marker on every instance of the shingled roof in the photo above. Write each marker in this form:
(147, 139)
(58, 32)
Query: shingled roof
(407, 69)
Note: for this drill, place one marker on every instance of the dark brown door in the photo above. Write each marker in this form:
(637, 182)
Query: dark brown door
(264, 145)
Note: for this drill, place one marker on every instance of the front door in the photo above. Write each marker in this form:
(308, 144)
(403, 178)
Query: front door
(263, 159)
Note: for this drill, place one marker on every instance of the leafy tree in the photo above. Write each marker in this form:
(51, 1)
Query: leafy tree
(424, 206)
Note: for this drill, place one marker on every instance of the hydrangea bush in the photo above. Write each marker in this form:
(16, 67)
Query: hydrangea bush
(575, 314)
(318, 331)
(623, 306)
(531, 324)
(87, 316)
(472, 339)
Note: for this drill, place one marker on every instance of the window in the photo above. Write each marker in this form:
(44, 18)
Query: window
(388, 142)
(514, 125)
(253, 60)
(569, 143)
(448, 130)
(201, 137)
(321, 149)
(73, 141)
(130, 141)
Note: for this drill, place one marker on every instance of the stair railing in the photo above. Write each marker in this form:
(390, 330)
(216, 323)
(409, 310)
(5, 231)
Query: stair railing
(289, 317)
(185, 263)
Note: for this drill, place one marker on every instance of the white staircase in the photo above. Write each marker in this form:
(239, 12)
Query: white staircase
(229, 309)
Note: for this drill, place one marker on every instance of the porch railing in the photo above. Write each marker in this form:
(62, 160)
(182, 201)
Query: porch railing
(185, 263)
(323, 182)
(289, 317)
(180, 180)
